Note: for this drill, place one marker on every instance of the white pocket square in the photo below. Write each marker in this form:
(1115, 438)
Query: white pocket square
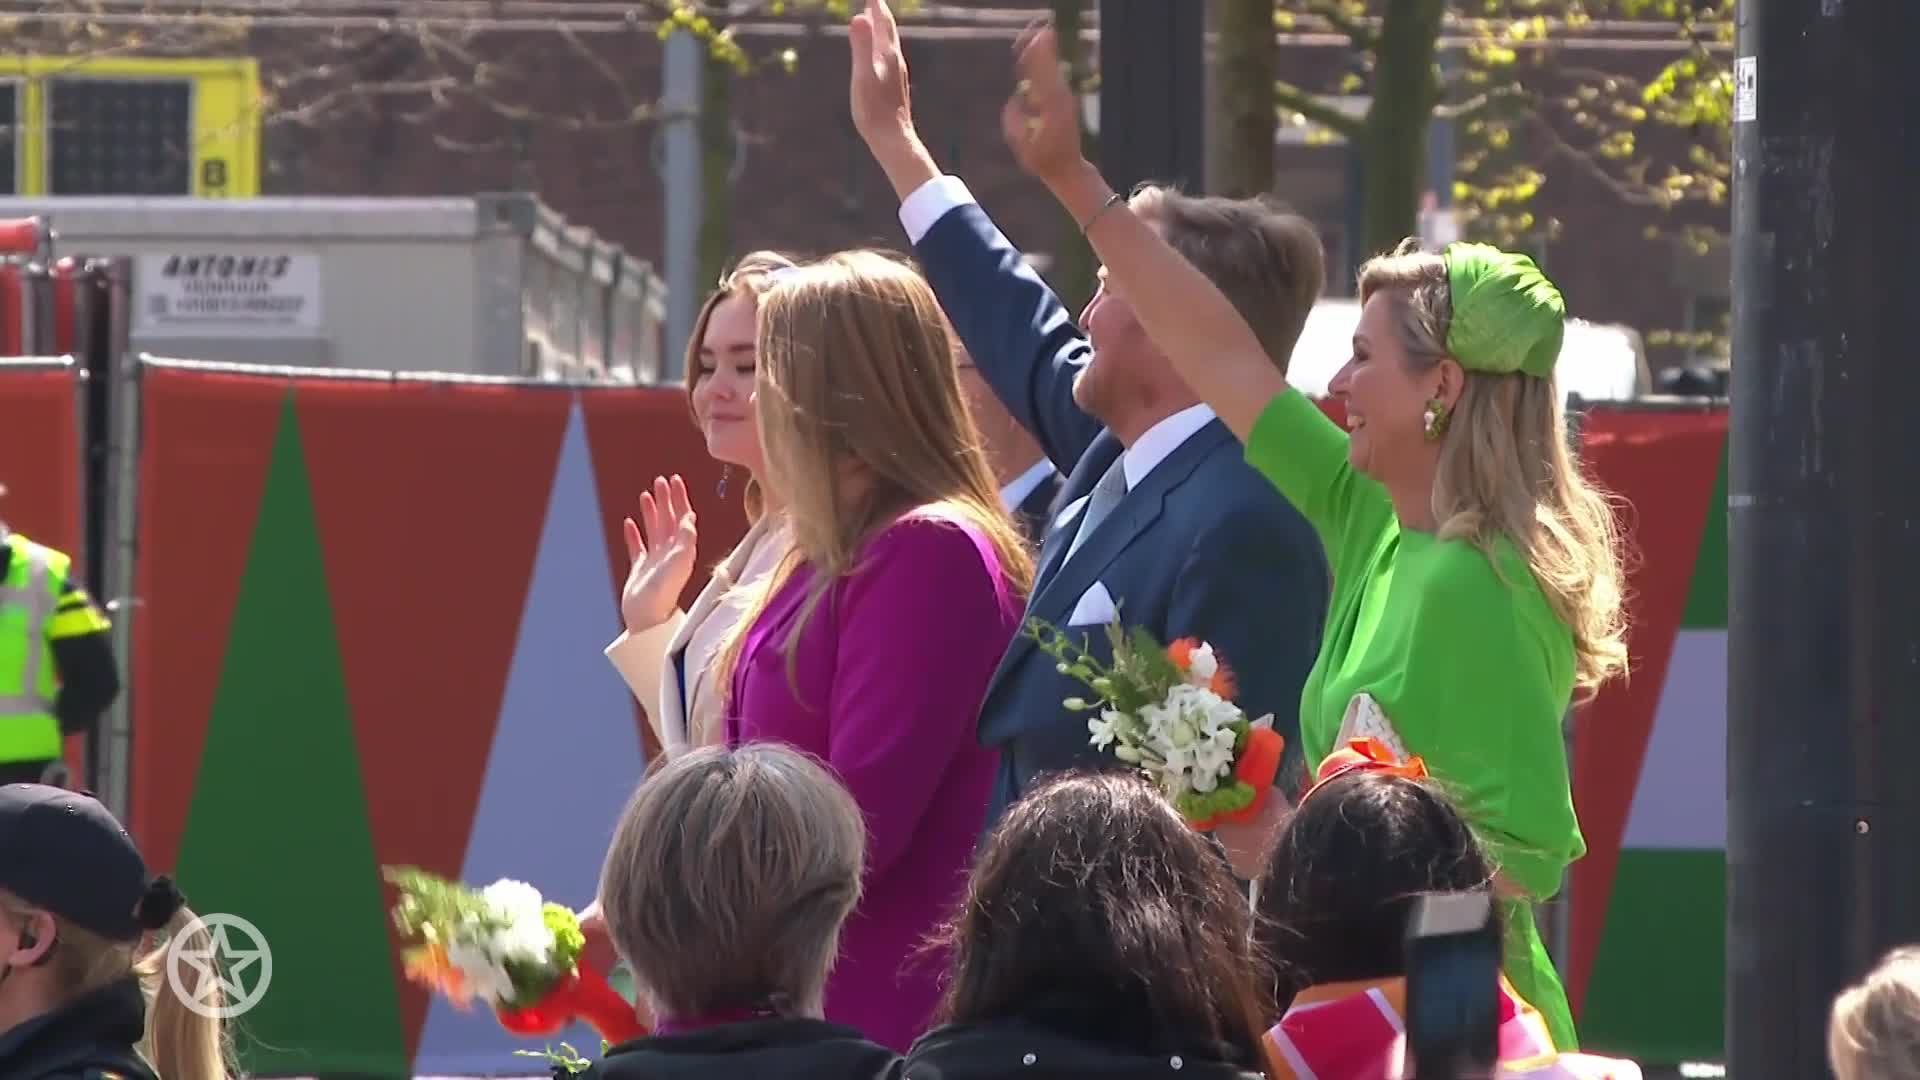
(1095, 608)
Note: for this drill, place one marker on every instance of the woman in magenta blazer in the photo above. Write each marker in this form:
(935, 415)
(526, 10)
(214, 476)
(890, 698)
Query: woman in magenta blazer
(871, 644)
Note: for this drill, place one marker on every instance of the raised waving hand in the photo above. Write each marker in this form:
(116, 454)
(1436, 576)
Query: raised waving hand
(661, 553)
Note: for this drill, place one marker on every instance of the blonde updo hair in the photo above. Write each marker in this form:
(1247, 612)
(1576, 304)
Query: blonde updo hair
(1874, 1032)
(1506, 471)
(180, 1042)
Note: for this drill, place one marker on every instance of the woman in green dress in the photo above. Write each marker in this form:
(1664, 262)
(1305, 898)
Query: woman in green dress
(1477, 580)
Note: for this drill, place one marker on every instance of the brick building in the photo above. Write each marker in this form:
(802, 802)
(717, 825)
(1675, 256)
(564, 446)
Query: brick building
(803, 180)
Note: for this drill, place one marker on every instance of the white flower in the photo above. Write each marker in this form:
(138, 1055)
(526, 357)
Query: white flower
(1202, 709)
(1179, 761)
(524, 939)
(1154, 723)
(484, 975)
(1181, 731)
(518, 930)
(1192, 732)
(512, 898)
(1213, 760)
(1201, 664)
(1185, 742)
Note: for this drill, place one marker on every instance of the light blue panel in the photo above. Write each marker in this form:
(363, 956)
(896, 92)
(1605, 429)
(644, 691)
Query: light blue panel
(1681, 802)
(566, 756)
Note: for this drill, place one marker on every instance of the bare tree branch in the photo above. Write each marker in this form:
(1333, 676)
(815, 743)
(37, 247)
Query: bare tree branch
(1511, 96)
(1633, 195)
(1359, 31)
(1315, 109)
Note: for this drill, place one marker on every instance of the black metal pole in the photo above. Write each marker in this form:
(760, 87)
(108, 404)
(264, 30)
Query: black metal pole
(1823, 703)
(1153, 92)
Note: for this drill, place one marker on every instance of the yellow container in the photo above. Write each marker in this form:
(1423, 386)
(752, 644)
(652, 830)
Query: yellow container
(220, 131)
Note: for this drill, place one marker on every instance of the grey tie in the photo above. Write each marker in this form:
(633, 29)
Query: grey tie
(1106, 495)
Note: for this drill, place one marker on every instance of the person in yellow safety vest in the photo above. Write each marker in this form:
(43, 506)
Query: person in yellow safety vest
(57, 669)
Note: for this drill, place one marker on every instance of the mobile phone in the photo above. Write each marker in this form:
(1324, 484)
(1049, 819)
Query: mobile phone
(1453, 987)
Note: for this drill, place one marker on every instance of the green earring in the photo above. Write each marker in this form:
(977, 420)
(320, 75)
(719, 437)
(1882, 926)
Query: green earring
(1436, 418)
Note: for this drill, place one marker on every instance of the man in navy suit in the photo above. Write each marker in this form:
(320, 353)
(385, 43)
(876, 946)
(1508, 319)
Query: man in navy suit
(1163, 524)
(1029, 483)
(1029, 496)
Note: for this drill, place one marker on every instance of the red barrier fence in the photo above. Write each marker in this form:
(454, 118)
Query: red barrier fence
(41, 437)
(371, 611)
(370, 632)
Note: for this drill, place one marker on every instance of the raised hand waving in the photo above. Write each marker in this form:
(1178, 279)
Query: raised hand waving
(662, 559)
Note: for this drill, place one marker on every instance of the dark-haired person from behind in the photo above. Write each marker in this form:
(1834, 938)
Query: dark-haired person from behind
(1342, 878)
(76, 907)
(724, 890)
(1101, 937)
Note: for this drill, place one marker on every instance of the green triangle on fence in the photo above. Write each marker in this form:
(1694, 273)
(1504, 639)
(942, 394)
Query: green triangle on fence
(1707, 597)
(277, 831)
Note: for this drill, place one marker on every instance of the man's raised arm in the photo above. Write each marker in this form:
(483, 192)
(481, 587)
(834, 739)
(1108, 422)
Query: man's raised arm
(1021, 337)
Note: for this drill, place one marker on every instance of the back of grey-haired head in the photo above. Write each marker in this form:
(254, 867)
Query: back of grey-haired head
(728, 879)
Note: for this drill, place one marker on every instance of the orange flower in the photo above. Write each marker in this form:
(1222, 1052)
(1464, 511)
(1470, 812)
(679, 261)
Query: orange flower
(1181, 653)
(1222, 683)
(428, 966)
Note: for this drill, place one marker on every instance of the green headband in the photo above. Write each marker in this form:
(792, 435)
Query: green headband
(1507, 316)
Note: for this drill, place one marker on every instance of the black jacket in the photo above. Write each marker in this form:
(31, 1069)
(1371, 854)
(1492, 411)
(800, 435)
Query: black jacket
(91, 1039)
(787, 1049)
(1069, 1039)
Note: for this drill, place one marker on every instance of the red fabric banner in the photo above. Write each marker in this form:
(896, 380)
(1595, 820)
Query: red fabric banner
(40, 468)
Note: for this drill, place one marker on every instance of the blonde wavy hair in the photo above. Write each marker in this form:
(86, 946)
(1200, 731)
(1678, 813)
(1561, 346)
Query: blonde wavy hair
(180, 1043)
(861, 421)
(1506, 472)
(747, 279)
(1874, 1030)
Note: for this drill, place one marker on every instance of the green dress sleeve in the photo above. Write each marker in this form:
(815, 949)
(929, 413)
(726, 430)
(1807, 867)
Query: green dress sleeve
(1484, 689)
(1484, 692)
(1304, 454)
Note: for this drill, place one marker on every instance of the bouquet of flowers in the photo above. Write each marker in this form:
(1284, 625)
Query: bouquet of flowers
(507, 947)
(1169, 710)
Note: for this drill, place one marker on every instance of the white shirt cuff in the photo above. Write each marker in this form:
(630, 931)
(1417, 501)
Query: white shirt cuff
(929, 203)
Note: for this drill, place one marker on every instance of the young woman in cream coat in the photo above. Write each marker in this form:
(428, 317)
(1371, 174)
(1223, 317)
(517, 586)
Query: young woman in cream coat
(664, 654)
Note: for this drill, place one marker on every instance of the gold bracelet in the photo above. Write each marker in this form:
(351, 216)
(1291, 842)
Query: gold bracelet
(1113, 200)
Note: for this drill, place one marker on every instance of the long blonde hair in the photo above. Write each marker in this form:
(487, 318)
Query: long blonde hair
(856, 373)
(1506, 472)
(180, 1042)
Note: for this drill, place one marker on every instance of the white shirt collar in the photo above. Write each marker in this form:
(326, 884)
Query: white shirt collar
(1016, 492)
(1161, 440)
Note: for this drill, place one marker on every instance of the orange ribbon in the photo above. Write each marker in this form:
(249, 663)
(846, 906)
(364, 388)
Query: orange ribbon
(1365, 755)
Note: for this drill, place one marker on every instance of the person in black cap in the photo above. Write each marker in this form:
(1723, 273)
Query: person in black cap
(76, 907)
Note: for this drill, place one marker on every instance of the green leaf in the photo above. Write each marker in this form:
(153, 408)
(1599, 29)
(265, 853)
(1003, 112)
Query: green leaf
(565, 1059)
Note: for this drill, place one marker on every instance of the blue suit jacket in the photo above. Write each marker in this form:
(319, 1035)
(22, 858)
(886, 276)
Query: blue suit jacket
(1202, 547)
(1037, 510)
